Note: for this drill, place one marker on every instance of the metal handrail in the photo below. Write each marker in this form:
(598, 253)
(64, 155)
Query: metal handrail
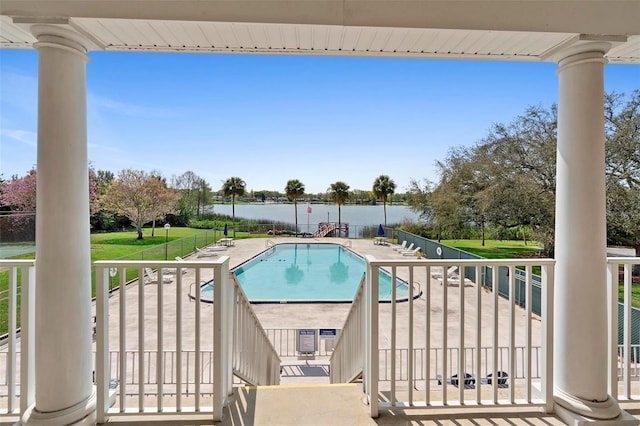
(347, 359)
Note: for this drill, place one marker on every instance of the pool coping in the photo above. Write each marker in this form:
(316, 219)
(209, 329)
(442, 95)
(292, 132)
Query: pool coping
(417, 293)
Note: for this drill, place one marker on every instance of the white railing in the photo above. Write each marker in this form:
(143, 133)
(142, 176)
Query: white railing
(448, 315)
(622, 358)
(255, 360)
(150, 319)
(347, 359)
(19, 371)
(419, 361)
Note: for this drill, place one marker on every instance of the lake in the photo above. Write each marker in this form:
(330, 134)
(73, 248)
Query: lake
(354, 215)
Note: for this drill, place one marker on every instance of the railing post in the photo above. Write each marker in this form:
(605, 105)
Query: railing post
(372, 329)
(222, 317)
(547, 336)
(612, 314)
(27, 338)
(102, 374)
(626, 378)
(11, 338)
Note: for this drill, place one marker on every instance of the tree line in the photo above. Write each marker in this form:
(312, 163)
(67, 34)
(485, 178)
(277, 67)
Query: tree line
(137, 198)
(507, 180)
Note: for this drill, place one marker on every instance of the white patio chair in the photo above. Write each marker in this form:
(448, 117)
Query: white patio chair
(152, 277)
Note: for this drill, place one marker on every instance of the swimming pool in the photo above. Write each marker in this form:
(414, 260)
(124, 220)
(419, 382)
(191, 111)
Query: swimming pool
(306, 272)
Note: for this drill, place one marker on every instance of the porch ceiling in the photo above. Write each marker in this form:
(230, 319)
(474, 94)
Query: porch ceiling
(522, 30)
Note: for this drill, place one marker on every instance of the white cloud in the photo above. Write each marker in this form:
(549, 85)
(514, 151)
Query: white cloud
(23, 136)
(126, 109)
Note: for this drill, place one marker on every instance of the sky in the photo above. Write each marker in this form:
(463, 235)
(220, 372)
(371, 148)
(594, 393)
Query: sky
(269, 119)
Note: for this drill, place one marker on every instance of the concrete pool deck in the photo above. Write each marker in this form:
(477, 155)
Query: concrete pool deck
(314, 316)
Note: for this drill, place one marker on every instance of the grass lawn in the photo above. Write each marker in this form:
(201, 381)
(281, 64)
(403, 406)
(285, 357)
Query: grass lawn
(112, 245)
(495, 249)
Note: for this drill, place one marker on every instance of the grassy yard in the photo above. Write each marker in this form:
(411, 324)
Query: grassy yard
(495, 249)
(113, 245)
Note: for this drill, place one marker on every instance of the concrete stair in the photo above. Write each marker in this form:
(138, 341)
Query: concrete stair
(295, 405)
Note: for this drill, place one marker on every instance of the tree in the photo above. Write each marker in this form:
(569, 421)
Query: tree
(103, 179)
(384, 186)
(140, 197)
(234, 187)
(203, 196)
(419, 199)
(19, 194)
(339, 193)
(622, 124)
(187, 184)
(294, 190)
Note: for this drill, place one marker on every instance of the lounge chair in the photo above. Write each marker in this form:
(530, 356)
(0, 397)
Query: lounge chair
(172, 271)
(406, 249)
(411, 252)
(503, 379)
(469, 380)
(215, 247)
(152, 277)
(401, 247)
(205, 253)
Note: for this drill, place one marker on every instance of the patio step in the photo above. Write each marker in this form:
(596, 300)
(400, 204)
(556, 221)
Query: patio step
(317, 404)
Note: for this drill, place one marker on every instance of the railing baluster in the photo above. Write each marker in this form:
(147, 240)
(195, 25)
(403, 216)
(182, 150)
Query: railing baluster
(141, 339)
(626, 380)
(123, 337)
(427, 358)
(27, 336)
(393, 337)
(478, 334)
(197, 327)
(410, 328)
(445, 309)
(547, 335)
(160, 340)
(178, 339)
(512, 331)
(11, 356)
(461, 361)
(496, 311)
(529, 311)
(612, 337)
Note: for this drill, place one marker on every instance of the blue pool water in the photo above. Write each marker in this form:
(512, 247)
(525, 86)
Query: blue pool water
(306, 272)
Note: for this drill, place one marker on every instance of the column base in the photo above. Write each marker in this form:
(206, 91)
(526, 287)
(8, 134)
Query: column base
(576, 411)
(80, 414)
(575, 419)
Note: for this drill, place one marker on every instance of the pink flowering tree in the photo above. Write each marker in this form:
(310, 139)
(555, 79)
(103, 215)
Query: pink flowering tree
(19, 195)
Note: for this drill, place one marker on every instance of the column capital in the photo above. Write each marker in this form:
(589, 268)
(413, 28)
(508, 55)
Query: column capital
(58, 32)
(581, 47)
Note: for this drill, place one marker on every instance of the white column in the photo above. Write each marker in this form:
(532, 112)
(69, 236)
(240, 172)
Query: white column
(580, 328)
(63, 361)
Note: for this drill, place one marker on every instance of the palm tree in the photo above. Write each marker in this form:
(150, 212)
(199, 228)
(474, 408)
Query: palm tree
(294, 190)
(384, 186)
(339, 192)
(233, 186)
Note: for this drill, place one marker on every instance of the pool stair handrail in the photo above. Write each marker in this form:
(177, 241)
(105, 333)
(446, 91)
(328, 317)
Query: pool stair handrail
(269, 243)
(347, 360)
(255, 360)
